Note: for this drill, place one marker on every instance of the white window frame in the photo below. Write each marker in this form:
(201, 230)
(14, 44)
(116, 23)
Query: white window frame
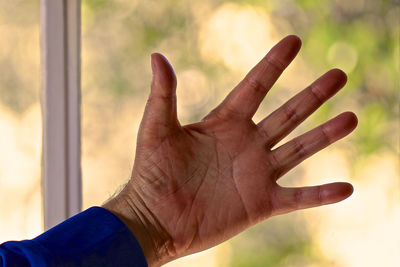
(61, 75)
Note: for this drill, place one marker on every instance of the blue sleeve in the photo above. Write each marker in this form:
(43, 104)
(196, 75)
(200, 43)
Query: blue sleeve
(95, 237)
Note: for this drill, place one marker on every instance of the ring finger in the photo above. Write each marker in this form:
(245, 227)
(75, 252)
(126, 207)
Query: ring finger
(289, 155)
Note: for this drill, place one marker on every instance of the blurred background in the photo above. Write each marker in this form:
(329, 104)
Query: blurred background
(212, 44)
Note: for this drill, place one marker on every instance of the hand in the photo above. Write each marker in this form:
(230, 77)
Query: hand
(195, 186)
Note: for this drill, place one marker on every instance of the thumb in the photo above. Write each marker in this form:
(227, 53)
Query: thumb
(160, 114)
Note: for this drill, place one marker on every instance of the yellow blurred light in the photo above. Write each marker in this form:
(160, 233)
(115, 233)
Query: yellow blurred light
(238, 35)
(363, 230)
(204, 258)
(20, 174)
(342, 55)
(193, 92)
(18, 165)
(215, 257)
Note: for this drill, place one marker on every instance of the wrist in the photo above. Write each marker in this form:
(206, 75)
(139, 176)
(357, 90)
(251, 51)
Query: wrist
(145, 230)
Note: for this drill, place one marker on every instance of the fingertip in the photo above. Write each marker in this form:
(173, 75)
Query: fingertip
(330, 83)
(341, 125)
(295, 39)
(351, 119)
(293, 43)
(335, 192)
(160, 58)
(163, 72)
(157, 59)
(285, 51)
(347, 189)
(156, 55)
(338, 75)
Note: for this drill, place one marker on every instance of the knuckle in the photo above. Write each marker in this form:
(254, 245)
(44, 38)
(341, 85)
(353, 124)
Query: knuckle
(274, 202)
(298, 198)
(316, 94)
(254, 84)
(223, 113)
(275, 165)
(299, 148)
(319, 195)
(275, 63)
(228, 113)
(265, 135)
(290, 114)
(162, 97)
(325, 135)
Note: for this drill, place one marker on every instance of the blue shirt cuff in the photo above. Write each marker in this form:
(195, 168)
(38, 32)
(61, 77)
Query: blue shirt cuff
(95, 237)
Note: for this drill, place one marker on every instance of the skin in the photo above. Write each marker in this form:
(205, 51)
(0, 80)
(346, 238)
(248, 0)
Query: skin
(195, 186)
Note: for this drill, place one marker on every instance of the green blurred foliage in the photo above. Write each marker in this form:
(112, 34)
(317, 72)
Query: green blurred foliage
(128, 33)
(120, 35)
(278, 241)
(20, 72)
(367, 27)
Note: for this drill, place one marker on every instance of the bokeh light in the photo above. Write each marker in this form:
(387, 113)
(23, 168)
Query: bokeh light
(20, 121)
(212, 44)
(237, 35)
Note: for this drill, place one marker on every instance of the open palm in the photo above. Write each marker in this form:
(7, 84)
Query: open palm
(200, 184)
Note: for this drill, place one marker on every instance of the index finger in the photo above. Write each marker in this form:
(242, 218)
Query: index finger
(244, 100)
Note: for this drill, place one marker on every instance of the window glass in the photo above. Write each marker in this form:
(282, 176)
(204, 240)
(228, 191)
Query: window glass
(212, 44)
(20, 120)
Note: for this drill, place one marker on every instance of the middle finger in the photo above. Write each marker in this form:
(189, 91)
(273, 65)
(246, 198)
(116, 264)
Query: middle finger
(286, 118)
